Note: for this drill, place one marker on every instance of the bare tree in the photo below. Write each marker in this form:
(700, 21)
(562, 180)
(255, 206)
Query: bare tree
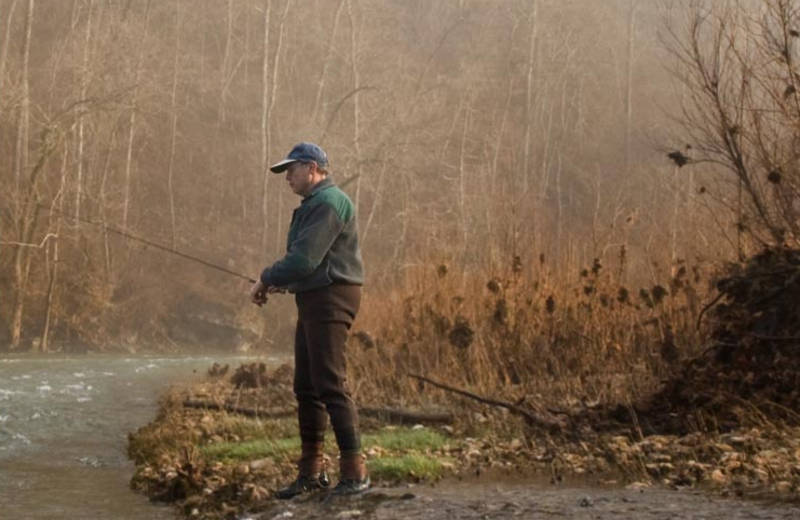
(132, 122)
(741, 111)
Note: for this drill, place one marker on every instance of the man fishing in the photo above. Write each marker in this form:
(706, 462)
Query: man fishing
(323, 268)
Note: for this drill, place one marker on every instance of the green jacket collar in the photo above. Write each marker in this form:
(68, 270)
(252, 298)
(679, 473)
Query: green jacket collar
(324, 184)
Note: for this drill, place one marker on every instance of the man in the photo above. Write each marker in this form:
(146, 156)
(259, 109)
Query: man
(322, 267)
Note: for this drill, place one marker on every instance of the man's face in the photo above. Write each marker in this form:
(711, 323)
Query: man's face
(300, 177)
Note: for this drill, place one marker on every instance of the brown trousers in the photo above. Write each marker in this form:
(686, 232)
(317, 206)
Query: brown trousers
(320, 377)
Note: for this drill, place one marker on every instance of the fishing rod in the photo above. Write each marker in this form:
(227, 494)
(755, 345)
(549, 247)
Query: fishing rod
(162, 247)
(149, 243)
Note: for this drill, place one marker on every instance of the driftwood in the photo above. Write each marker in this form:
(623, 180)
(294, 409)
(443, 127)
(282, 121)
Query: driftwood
(397, 416)
(390, 415)
(241, 410)
(532, 417)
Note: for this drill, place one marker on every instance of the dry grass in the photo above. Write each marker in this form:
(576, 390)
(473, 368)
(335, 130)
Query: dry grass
(523, 335)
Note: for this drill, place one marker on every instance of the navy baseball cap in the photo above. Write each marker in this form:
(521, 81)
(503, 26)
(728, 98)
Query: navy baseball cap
(305, 153)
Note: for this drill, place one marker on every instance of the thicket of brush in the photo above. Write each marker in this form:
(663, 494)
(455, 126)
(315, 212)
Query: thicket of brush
(528, 335)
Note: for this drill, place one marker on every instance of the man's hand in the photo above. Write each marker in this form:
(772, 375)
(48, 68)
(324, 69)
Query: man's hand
(258, 293)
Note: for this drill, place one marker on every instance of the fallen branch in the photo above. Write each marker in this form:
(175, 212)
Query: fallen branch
(241, 410)
(390, 415)
(533, 418)
(393, 415)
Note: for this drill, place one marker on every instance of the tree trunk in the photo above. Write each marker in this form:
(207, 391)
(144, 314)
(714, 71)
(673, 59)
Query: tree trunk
(356, 109)
(265, 173)
(21, 153)
(81, 139)
(174, 109)
(132, 120)
(21, 261)
(53, 268)
(275, 68)
(29, 212)
(6, 40)
(629, 84)
(526, 165)
(318, 115)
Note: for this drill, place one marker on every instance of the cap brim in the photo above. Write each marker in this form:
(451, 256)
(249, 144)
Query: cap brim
(282, 166)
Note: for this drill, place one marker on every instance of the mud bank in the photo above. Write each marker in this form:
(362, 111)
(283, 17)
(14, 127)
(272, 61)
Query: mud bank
(484, 499)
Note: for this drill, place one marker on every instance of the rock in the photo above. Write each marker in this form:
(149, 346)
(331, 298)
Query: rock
(256, 493)
(192, 504)
(261, 464)
(720, 478)
(586, 502)
(661, 457)
(735, 440)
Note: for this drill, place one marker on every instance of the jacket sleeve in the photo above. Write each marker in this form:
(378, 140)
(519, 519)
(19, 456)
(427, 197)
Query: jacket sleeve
(318, 230)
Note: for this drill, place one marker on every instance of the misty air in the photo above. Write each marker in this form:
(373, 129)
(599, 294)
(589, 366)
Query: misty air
(399, 258)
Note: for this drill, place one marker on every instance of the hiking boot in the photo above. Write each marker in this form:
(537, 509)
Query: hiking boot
(311, 472)
(353, 477)
(351, 486)
(304, 484)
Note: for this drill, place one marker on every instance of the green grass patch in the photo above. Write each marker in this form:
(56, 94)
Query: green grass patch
(252, 450)
(404, 439)
(394, 440)
(403, 467)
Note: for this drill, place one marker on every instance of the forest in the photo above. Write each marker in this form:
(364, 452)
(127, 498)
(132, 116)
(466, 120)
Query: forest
(579, 213)
(481, 136)
(530, 149)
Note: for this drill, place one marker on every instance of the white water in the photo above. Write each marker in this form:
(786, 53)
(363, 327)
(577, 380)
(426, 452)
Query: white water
(64, 422)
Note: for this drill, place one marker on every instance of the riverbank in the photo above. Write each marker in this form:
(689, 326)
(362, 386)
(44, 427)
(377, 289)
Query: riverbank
(219, 462)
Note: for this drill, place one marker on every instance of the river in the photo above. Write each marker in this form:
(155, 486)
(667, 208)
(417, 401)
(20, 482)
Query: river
(64, 422)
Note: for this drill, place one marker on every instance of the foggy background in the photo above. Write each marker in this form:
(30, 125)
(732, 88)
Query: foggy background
(477, 135)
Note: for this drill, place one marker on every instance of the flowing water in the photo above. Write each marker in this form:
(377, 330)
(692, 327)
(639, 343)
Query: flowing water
(64, 422)
(63, 432)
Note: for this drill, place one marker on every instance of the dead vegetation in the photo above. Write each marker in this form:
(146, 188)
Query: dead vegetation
(581, 380)
(750, 372)
(529, 336)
